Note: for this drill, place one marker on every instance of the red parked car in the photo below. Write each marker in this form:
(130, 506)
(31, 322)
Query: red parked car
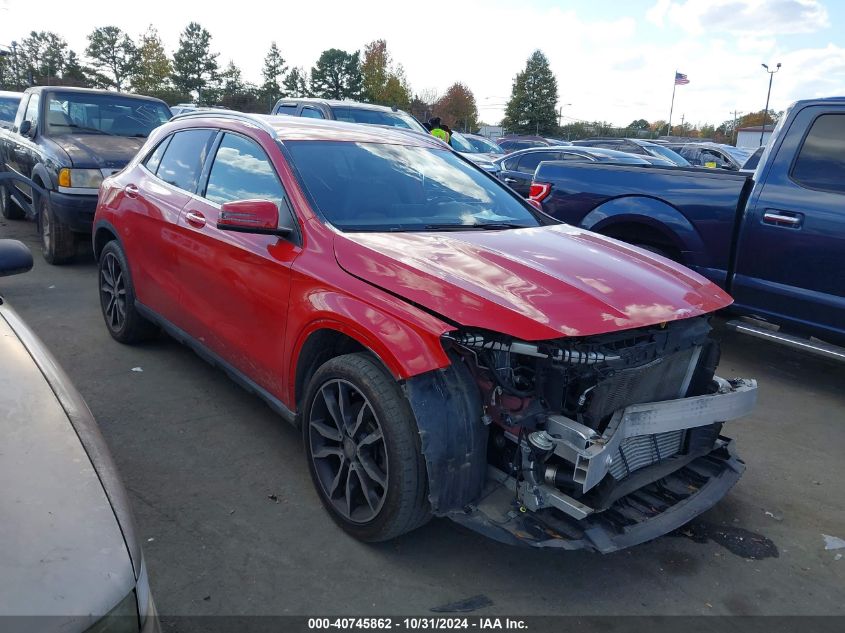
(446, 348)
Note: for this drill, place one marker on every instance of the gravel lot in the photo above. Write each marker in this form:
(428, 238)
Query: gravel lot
(231, 525)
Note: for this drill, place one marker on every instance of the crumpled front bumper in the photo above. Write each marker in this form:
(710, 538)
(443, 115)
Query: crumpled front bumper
(649, 503)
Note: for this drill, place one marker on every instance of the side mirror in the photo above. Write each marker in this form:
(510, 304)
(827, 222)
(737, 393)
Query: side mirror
(14, 258)
(26, 128)
(251, 216)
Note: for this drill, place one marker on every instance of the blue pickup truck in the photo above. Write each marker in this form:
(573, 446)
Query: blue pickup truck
(775, 239)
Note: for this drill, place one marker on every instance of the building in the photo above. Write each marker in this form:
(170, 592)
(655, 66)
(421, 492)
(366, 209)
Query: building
(750, 136)
(492, 131)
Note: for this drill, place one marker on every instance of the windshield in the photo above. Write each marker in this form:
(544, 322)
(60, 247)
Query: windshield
(668, 154)
(91, 113)
(378, 117)
(8, 108)
(460, 143)
(484, 146)
(385, 187)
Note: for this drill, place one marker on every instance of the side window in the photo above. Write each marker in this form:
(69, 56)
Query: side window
(311, 113)
(572, 156)
(288, 109)
(528, 163)
(821, 161)
(242, 171)
(183, 158)
(154, 158)
(510, 164)
(31, 113)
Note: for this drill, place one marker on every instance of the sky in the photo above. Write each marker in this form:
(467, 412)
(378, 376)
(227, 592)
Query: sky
(614, 60)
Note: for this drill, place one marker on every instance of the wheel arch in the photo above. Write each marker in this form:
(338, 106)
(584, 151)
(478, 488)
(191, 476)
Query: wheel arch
(104, 232)
(632, 218)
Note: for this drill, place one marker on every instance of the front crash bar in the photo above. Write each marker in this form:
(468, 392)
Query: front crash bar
(595, 455)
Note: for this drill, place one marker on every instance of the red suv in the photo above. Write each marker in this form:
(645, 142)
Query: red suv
(446, 348)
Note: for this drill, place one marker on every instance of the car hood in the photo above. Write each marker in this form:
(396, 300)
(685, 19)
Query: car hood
(533, 284)
(99, 150)
(62, 551)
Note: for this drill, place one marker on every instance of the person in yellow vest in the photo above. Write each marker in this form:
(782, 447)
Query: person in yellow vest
(437, 131)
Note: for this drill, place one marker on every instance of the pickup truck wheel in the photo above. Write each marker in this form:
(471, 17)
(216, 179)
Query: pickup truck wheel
(8, 209)
(363, 449)
(58, 244)
(117, 298)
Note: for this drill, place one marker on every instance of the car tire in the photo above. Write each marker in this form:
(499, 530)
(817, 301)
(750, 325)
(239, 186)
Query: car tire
(8, 208)
(117, 298)
(58, 243)
(364, 457)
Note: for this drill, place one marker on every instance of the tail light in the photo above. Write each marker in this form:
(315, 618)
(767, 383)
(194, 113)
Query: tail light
(539, 191)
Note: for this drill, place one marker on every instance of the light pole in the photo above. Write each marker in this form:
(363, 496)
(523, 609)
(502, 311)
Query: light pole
(768, 94)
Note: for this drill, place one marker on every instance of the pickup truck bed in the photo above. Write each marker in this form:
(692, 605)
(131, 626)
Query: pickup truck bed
(699, 208)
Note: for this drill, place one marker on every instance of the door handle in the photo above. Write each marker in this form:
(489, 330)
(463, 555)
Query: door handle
(782, 218)
(510, 180)
(131, 191)
(195, 218)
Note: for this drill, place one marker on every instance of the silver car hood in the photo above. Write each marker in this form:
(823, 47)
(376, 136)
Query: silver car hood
(62, 551)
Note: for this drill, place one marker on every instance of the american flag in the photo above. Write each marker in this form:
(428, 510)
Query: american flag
(680, 79)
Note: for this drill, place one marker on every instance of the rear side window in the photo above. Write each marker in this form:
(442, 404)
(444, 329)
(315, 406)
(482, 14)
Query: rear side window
(183, 158)
(288, 109)
(528, 163)
(242, 171)
(311, 113)
(153, 160)
(821, 161)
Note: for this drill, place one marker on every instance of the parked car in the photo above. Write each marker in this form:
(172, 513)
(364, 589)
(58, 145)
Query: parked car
(517, 168)
(433, 334)
(636, 146)
(712, 155)
(349, 111)
(485, 160)
(71, 558)
(774, 239)
(63, 142)
(8, 107)
(513, 143)
(556, 141)
(484, 145)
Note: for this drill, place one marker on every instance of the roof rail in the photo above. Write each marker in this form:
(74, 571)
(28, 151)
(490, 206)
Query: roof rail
(227, 114)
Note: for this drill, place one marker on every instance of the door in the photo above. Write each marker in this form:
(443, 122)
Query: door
(22, 152)
(519, 171)
(791, 254)
(235, 286)
(153, 195)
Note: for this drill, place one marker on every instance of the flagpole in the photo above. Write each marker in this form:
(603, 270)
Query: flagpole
(672, 107)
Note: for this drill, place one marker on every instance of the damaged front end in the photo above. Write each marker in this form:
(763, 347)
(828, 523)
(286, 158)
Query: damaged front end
(598, 442)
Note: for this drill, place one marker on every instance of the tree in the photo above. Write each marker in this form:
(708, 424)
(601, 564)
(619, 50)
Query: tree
(153, 68)
(457, 109)
(194, 65)
(396, 91)
(381, 81)
(337, 75)
(296, 84)
(531, 108)
(74, 73)
(113, 54)
(274, 74)
(42, 56)
(638, 124)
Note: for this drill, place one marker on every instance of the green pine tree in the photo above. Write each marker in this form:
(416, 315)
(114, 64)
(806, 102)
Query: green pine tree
(194, 65)
(274, 74)
(531, 108)
(113, 54)
(337, 75)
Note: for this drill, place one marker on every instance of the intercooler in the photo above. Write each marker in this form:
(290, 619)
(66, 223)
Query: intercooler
(644, 450)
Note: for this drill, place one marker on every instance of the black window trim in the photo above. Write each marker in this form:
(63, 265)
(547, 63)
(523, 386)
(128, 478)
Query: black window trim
(295, 235)
(790, 173)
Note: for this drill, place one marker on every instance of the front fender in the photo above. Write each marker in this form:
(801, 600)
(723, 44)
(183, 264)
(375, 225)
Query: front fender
(651, 212)
(404, 347)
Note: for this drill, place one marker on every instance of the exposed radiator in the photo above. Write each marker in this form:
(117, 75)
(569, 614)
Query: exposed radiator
(644, 450)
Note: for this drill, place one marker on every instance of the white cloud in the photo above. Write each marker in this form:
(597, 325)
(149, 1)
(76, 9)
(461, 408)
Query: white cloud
(769, 17)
